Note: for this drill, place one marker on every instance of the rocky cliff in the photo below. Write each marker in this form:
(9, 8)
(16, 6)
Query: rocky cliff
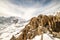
(39, 25)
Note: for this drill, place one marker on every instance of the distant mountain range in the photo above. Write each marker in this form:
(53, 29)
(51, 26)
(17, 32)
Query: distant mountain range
(11, 20)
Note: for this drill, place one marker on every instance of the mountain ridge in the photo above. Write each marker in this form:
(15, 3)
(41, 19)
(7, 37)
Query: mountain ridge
(39, 25)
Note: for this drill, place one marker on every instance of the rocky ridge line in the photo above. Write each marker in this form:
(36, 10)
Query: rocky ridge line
(39, 25)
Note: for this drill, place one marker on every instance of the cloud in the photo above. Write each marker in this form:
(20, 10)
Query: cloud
(27, 11)
(51, 10)
(8, 9)
(30, 3)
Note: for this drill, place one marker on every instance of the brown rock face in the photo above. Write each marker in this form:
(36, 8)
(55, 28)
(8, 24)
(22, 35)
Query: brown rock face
(39, 25)
(13, 38)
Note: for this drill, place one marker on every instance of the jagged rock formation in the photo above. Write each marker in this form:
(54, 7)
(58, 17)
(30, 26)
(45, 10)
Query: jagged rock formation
(39, 25)
(13, 38)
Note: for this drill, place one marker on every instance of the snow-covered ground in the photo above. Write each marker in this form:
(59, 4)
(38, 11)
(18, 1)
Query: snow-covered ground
(10, 30)
(45, 37)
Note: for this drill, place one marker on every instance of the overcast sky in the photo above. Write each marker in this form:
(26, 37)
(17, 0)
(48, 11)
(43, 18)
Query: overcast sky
(28, 8)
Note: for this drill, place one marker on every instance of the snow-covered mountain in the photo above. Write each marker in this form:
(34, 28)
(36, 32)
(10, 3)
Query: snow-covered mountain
(7, 21)
(11, 20)
(26, 9)
(10, 26)
(40, 28)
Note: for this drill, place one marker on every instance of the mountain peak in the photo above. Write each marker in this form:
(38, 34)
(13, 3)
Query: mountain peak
(40, 25)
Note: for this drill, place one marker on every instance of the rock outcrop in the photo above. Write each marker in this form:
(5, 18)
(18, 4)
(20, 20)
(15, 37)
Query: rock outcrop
(39, 25)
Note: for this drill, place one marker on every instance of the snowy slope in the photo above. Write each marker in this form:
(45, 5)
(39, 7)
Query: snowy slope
(10, 30)
(45, 37)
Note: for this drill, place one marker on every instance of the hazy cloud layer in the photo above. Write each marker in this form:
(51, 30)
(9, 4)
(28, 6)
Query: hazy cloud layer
(28, 8)
(30, 3)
